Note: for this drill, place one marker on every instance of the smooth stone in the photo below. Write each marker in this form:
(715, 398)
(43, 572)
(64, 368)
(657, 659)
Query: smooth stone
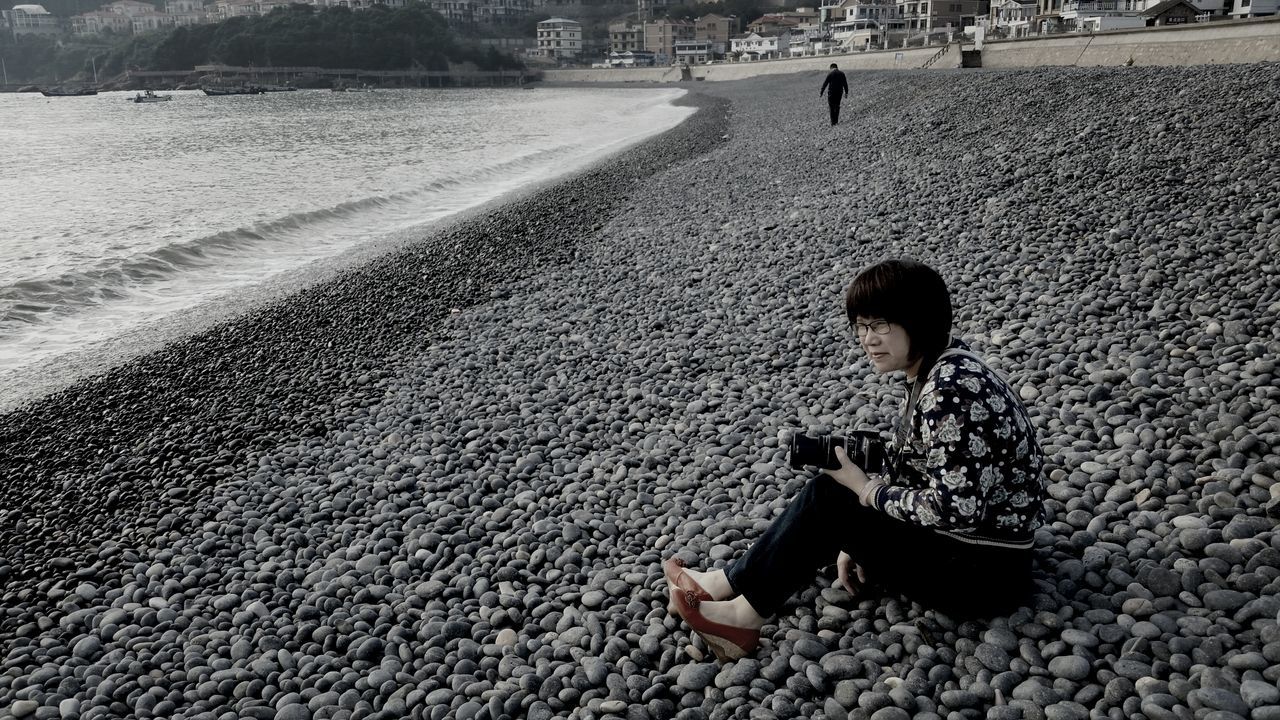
(696, 676)
(1071, 667)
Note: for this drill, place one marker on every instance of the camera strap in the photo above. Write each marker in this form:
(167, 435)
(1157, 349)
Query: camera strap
(903, 437)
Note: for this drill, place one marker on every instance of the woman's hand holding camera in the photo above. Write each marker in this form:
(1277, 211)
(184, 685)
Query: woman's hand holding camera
(848, 474)
(853, 477)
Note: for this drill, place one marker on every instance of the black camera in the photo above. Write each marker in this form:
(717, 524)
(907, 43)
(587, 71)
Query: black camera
(864, 448)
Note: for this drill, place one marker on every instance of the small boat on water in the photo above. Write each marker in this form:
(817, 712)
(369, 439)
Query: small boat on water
(68, 92)
(149, 97)
(277, 88)
(233, 90)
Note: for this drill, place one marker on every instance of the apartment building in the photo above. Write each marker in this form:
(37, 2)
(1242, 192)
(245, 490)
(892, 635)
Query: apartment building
(560, 38)
(625, 37)
(660, 37)
(717, 30)
(930, 15)
(30, 20)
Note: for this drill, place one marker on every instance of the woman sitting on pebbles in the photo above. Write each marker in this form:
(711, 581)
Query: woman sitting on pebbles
(949, 524)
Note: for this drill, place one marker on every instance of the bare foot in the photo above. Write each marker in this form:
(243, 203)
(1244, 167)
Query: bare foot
(714, 582)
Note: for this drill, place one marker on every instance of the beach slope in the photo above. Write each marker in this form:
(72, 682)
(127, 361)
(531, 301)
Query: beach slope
(360, 503)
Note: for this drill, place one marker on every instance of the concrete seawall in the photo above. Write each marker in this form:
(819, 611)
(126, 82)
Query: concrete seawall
(1240, 41)
(1233, 41)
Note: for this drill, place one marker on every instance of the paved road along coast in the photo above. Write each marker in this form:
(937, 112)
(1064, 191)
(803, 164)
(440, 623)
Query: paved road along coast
(441, 484)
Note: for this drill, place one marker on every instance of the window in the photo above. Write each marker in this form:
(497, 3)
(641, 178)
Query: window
(956, 7)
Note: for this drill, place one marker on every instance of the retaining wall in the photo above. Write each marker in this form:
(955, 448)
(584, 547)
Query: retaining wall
(1232, 41)
(1228, 41)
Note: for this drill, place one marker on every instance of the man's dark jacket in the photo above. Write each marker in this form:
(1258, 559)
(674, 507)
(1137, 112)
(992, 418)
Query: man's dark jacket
(839, 86)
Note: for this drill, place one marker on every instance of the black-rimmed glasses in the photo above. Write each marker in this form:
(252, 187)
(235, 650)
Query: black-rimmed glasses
(879, 327)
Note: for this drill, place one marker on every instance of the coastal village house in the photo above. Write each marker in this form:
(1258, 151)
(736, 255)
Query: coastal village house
(122, 16)
(754, 46)
(666, 41)
(661, 36)
(1254, 8)
(772, 23)
(186, 12)
(865, 24)
(1012, 18)
(559, 38)
(1098, 15)
(455, 12)
(1171, 12)
(30, 20)
(625, 37)
(693, 52)
(1095, 15)
(717, 30)
(925, 17)
(502, 10)
(648, 10)
(630, 58)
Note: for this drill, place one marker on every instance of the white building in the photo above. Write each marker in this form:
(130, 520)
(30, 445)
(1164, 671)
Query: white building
(97, 22)
(753, 46)
(694, 52)
(1252, 8)
(130, 16)
(1012, 18)
(865, 24)
(1099, 15)
(227, 9)
(631, 58)
(928, 17)
(186, 12)
(455, 12)
(30, 20)
(497, 10)
(560, 38)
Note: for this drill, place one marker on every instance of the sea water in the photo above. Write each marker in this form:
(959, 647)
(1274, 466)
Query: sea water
(116, 215)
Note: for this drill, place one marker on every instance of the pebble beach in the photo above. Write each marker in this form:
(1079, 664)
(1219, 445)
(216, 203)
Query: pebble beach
(441, 484)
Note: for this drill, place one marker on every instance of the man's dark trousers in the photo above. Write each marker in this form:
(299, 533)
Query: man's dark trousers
(833, 102)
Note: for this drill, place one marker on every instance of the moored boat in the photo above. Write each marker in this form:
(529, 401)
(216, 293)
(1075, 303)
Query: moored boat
(68, 92)
(150, 97)
(233, 90)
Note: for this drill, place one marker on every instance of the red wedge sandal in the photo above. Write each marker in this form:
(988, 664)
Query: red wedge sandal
(679, 581)
(727, 642)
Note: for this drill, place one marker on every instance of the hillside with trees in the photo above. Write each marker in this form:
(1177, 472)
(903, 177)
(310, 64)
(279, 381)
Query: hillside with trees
(379, 38)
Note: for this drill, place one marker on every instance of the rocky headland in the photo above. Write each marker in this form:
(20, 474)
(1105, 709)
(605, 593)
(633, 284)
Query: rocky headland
(441, 484)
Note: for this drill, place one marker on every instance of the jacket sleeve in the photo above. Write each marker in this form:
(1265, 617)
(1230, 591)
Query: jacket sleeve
(823, 89)
(957, 431)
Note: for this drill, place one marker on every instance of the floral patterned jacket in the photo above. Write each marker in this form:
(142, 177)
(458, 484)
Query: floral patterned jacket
(965, 462)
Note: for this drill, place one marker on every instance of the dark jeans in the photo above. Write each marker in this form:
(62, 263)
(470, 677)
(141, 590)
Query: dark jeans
(959, 578)
(835, 111)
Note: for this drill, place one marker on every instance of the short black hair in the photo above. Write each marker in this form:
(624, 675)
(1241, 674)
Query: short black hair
(833, 66)
(909, 293)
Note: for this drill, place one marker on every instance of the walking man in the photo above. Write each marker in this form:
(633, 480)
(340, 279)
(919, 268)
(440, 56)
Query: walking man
(839, 88)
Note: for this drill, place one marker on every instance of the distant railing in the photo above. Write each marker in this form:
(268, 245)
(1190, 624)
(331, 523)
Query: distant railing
(1090, 6)
(935, 56)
